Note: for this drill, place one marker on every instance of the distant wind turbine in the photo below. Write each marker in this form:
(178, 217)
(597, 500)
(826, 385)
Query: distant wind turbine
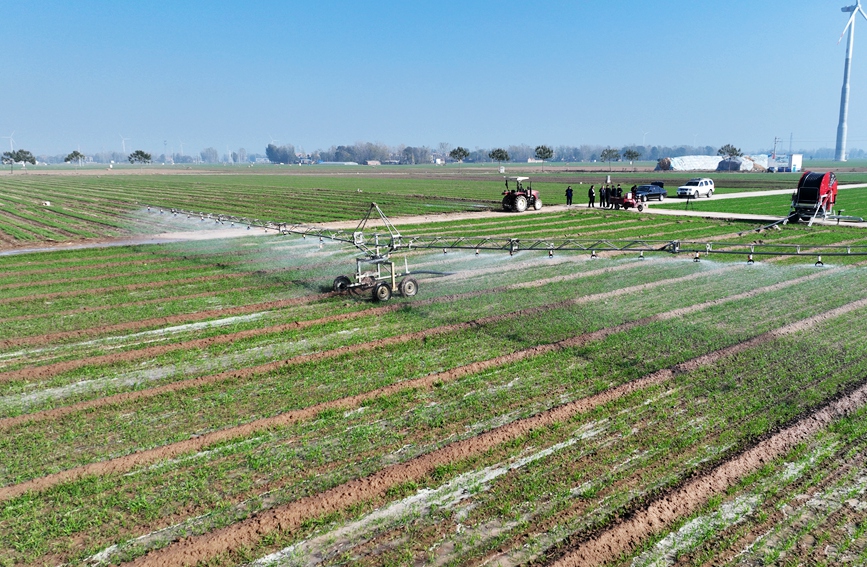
(123, 142)
(11, 141)
(182, 146)
(843, 126)
(273, 141)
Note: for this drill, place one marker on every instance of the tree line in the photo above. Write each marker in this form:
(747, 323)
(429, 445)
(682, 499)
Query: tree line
(363, 152)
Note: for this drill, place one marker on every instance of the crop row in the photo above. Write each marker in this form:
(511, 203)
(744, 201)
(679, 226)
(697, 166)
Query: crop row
(654, 418)
(221, 393)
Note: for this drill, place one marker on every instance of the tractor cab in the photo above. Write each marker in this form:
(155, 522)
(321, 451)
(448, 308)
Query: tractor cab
(519, 195)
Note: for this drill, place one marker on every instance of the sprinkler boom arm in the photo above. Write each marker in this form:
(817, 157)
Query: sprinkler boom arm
(360, 243)
(378, 247)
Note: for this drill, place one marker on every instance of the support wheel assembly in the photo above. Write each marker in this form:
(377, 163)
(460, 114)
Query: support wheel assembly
(408, 287)
(341, 284)
(382, 291)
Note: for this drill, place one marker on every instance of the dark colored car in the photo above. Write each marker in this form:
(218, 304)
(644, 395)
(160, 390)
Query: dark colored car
(648, 192)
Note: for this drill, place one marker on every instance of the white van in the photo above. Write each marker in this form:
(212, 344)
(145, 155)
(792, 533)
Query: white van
(696, 187)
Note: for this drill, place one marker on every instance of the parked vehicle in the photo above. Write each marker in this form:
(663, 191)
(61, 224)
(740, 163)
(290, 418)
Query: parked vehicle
(656, 190)
(520, 195)
(696, 187)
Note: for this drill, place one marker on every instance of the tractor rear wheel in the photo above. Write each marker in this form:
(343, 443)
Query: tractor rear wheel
(520, 203)
(382, 292)
(341, 284)
(507, 203)
(408, 287)
(537, 204)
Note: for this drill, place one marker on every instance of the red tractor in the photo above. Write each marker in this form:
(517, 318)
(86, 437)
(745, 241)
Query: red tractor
(520, 195)
(626, 200)
(814, 197)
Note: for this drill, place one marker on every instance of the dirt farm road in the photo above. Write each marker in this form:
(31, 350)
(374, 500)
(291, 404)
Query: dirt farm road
(216, 234)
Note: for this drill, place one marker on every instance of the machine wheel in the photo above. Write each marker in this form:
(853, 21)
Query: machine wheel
(382, 291)
(710, 194)
(408, 287)
(507, 203)
(341, 284)
(640, 207)
(661, 198)
(520, 203)
(537, 204)
(616, 207)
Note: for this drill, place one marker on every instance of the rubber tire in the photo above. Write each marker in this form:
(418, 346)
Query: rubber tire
(520, 203)
(661, 197)
(382, 292)
(644, 198)
(537, 204)
(695, 195)
(640, 208)
(710, 194)
(408, 287)
(341, 284)
(507, 203)
(617, 207)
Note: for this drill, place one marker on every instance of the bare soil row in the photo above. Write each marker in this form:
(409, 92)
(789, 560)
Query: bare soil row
(290, 516)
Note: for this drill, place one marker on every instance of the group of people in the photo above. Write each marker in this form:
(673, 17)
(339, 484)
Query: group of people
(606, 192)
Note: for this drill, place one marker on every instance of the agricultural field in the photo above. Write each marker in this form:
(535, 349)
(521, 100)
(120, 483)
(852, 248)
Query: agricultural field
(214, 402)
(852, 201)
(85, 206)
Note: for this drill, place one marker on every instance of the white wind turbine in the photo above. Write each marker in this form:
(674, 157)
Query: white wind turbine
(11, 141)
(843, 126)
(273, 141)
(123, 142)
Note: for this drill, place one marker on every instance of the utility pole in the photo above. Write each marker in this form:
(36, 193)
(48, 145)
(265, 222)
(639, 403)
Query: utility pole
(776, 141)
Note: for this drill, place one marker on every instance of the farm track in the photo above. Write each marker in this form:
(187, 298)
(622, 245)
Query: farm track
(688, 498)
(290, 516)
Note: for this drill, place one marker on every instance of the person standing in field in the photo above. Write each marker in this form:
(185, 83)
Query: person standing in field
(569, 196)
(603, 196)
(591, 194)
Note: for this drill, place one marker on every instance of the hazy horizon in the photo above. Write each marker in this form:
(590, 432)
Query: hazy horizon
(484, 74)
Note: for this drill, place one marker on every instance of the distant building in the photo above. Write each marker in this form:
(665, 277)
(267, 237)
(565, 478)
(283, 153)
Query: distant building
(372, 162)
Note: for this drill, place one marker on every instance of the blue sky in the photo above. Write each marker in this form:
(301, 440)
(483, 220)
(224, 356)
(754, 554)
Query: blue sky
(476, 74)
